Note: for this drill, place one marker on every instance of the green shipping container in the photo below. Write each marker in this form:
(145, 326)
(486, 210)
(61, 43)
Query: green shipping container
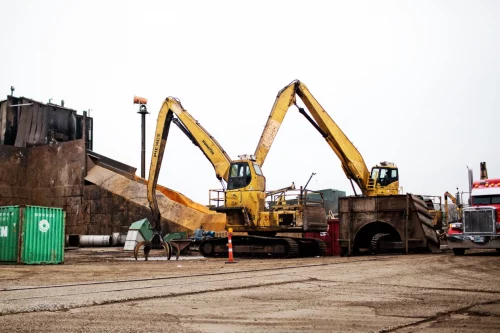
(42, 239)
(9, 233)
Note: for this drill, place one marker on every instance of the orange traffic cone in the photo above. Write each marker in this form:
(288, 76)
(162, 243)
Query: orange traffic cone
(230, 246)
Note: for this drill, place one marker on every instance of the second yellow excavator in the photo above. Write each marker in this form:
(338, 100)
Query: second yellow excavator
(244, 199)
(383, 178)
(381, 217)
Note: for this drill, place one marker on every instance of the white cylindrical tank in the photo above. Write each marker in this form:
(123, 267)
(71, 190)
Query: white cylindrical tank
(117, 239)
(95, 240)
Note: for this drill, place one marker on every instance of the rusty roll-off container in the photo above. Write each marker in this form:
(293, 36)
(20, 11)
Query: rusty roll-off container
(32, 234)
(404, 219)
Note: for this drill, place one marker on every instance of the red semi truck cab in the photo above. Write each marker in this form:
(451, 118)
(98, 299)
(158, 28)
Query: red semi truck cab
(479, 227)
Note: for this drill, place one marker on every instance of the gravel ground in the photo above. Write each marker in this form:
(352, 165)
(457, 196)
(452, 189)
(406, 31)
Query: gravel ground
(102, 290)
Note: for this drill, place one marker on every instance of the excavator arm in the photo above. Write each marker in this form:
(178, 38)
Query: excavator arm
(352, 162)
(285, 99)
(172, 111)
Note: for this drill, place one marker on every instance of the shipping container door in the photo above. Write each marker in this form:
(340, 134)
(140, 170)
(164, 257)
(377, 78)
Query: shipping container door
(9, 233)
(42, 240)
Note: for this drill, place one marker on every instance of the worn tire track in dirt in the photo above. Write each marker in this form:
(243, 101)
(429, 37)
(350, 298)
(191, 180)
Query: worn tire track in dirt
(435, 318)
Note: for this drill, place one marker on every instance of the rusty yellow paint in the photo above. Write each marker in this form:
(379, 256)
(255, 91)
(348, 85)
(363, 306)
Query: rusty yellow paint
(178, 197)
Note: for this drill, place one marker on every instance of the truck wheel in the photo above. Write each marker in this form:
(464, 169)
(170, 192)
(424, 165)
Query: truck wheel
(459, 252)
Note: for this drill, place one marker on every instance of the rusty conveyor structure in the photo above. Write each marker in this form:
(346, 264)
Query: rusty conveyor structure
(179, 213)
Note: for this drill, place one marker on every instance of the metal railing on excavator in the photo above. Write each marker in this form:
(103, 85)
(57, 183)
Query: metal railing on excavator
(291, 198)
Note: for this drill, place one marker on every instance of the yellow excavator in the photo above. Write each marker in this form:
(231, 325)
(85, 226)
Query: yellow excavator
(200, 138)
(379, 188)
(456, 201)
(383, 178)
(243, 198)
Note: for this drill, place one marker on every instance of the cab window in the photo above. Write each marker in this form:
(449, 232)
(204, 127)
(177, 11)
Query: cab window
(239, 176)
(257, 169)
(384, 176)
(486, 200)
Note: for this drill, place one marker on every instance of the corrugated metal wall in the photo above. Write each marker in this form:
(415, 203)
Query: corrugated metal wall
(25, 123)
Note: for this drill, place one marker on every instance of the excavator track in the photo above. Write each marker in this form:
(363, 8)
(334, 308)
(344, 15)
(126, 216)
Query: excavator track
(311, 247)
(251, 246)
(321, 248)
(375, 243)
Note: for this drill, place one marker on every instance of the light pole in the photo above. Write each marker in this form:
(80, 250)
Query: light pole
(143, 111)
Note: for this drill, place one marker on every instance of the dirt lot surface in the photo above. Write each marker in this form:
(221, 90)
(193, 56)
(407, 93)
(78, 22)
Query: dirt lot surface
(102, 290)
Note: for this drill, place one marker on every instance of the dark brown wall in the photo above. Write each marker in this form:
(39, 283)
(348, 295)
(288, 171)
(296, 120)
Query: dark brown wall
(49, 175)
(13, 167)
(55, 177)
(107, 213)
(56, 171)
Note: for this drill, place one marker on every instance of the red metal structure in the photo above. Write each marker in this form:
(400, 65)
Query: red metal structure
(330, 237)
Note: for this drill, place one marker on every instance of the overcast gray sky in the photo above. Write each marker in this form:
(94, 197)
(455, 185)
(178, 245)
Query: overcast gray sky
(413, 82)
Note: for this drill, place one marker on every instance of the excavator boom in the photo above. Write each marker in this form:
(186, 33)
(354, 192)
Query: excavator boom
(352, 162)
(285, 99)
(170, 109)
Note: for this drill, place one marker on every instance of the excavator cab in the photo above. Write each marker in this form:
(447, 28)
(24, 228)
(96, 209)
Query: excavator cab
(240, 175)
(384, 176)
(384, 179)
(246, 173)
